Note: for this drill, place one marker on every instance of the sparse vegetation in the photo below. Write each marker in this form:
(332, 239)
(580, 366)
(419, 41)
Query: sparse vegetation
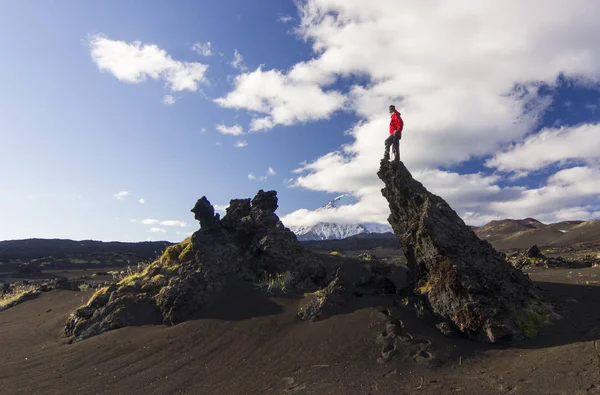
(529, 321)
(16, 295)
(320, 293)
(84, 287)
(424, 288)
(275, 282)
(336, 253)
(420, 308)
(131, 271)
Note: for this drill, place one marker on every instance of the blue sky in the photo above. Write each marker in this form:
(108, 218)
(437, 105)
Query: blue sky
(82, 116)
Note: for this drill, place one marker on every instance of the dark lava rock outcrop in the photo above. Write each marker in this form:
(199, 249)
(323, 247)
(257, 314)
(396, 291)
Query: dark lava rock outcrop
(250, 244)
(533, 257)
(461, 278)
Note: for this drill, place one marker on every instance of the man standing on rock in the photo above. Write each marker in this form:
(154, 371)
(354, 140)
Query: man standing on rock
(396, 126)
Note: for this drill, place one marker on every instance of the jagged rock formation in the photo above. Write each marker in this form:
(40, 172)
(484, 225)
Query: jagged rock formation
(249, 243)
(462, 278)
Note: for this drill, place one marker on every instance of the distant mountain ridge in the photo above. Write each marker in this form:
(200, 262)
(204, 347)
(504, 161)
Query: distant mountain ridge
(522, 233)
(337, 231)
(40, 248)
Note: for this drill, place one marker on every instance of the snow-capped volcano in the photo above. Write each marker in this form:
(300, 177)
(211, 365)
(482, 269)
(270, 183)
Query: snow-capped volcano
(334, 231)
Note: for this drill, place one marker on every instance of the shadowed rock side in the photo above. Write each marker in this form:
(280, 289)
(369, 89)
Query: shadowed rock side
(462, 278)
(250, 244)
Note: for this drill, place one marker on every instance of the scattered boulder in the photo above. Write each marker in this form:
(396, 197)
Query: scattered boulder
(534, 252)
(327, 301)
(460, 277)
(533, 257)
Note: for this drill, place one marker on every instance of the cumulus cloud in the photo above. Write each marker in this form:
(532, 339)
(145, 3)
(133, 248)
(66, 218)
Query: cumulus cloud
(152, 221)
(551, 146)
(466, 79)
(168, 100)
(220, 207)
(251, 176)
(204, 49)
(280, 99)
(142, 201)
(121, 195)
(157, 230)
(238, 61)
(241, 144)
(235, 130)
(285, 18)
(136, 62)
(270, 173)
(573, 187)
(173, 223)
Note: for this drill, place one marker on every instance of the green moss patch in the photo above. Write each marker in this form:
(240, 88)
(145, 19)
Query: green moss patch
(18, 295)
(531, 320)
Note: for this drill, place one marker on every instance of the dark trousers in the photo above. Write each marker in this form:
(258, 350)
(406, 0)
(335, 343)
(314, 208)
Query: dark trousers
(394, 142)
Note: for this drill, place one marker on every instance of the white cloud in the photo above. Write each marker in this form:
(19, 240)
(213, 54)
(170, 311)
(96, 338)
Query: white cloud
(173, 223)
(203, 130)
(157, 230)
(270, 172)
(185, 234)
(121, 195)
(551, 146)
(170, 222)
(168, 100)
(235, 130)
(251, 176)
(285, 18)
(283, 99)
(238, 61)
(219, 144)
(241, 144)
(568, 188)
(204, 49)
(142, 201)
(466, 79)
(220, 207)
(135, 62)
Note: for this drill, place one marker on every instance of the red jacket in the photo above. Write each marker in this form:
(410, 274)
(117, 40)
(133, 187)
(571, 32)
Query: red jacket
(396, 123)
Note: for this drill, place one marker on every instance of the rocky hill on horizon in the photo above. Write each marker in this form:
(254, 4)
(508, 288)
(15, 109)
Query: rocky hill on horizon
(511, 234)
(16, 251)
